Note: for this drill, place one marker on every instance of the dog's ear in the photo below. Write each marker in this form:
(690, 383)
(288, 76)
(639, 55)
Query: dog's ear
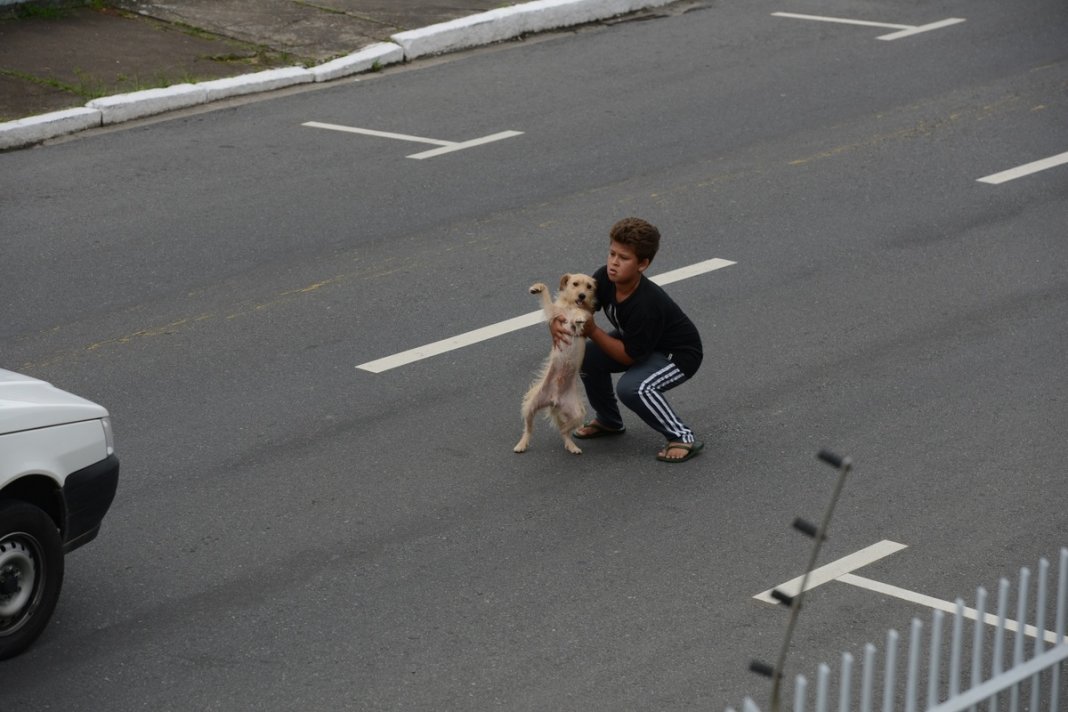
(564, 280)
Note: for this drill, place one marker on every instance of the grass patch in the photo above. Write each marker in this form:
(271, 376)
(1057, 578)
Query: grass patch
(85, 88)
(89, 88)
(29, 11)
(257, 57)
(191, 30)
(50, 10)
(313, 6)
(245, 54)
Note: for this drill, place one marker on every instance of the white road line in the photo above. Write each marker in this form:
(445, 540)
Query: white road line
(834, 570)
(445, 146)
(841, 570)
(515, 324)
(922, 28)
(452, 343)
(841, 20)
(904, 30)
(677, 275)
(465, 144)
(1025, 170)
(380, 134)
(938, 604)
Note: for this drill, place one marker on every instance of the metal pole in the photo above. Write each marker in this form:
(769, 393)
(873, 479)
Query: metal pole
(914, 665)
(869, 677)
(891, 665)
(935, 658)
(1018, 645)
(844, 465)
(954, 656)
(977, 640)
(1040, 626)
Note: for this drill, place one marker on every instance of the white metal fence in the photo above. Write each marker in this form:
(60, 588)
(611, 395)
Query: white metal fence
(978, 669)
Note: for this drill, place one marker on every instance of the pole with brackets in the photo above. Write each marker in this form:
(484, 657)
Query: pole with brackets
(818, 534)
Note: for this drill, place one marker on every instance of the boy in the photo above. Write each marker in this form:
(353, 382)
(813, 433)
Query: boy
(653, 343)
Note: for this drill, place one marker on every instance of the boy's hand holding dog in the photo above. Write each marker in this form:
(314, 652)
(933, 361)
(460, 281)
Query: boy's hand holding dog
(609, 344)
(562, 335)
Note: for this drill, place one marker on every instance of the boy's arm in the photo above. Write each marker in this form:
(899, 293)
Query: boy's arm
(611, 346)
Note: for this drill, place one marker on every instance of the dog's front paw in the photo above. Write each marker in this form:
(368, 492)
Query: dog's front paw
(537, 288)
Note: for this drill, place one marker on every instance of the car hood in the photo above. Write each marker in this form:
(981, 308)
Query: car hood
(27, 403)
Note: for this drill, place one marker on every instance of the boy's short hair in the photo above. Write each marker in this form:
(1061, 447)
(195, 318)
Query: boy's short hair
(639, 235)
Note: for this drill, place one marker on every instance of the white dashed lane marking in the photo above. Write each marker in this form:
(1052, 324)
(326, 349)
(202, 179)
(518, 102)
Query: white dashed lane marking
(515, 324)
(1026, 169)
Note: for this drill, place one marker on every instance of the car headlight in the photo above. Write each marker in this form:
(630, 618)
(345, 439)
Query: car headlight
(109, 436)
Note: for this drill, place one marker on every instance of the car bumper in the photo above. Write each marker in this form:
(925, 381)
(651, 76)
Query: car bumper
(87, 494)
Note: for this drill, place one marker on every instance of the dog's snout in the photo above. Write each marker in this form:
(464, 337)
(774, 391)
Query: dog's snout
(582, 296)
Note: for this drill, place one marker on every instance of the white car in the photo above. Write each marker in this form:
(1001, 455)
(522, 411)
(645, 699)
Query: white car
(58, 475)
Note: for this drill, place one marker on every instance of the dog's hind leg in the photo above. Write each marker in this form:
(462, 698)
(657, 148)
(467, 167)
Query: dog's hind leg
(528, 429)
(529, 409)
(568, 415)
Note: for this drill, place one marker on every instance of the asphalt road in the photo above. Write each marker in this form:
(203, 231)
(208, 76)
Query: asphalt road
(292, 532)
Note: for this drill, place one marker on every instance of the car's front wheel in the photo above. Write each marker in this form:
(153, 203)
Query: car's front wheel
(31, 574)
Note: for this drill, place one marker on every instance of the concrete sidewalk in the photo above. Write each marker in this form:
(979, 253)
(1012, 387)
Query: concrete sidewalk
(71, 66)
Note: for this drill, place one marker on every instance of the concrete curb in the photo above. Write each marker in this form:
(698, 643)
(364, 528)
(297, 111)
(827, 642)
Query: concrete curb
(367, 59)
(34, 129)
(267, 80)
(510, 22)
(484, 28)
(124, 107)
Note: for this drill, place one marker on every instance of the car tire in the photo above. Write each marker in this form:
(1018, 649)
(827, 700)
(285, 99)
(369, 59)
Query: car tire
(31, 574)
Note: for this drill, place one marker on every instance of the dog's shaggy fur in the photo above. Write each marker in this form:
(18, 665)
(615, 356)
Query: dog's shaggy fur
(556, 388)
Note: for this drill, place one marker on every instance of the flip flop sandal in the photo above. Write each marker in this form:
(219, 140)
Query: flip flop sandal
(598, 431)
(691, 452)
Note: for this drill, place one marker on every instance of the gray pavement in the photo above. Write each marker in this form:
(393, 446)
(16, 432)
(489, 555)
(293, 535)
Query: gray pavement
(66, 56)
(293, 532)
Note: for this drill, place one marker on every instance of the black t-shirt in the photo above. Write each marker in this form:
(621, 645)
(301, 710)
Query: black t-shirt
(649, 320)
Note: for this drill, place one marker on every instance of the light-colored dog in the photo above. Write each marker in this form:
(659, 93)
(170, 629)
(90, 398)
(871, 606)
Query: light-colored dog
(556, 387)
